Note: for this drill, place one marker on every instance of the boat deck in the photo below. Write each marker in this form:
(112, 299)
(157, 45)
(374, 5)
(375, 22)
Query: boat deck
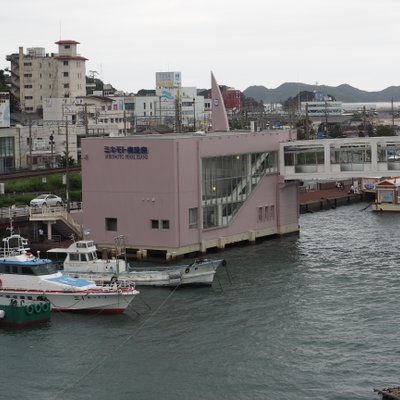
(389, 393)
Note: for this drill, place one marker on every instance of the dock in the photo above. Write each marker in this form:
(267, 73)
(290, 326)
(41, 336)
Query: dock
(325, 199)
(389, 393)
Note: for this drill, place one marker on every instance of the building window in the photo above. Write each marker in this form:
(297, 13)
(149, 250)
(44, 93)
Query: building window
(28, 97)
(260, 214)
(67, 46)
(193, 218)
(227, 182)
(165, 224)
(65, 62)
(111, 224)
(27, 64)
(272, 212)
(66, 85)
(28, 86)
(154, 223)
(65, 74)
(28, 75)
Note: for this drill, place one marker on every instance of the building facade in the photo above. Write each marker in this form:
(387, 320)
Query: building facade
(36, 75)
(11, 150)
(180, 194)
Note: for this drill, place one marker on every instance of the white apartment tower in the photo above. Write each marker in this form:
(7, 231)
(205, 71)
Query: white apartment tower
(37, 75)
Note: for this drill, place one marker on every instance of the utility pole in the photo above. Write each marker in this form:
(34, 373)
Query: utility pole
(66, 165)
(86, 121)
(52, 150)
(326, 119)
(307, 127)
(392, 117)
(178, 113)
(364, 122)
(194, 114)
(30, 144)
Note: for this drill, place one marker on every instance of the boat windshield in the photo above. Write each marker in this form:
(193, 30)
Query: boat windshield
(46, 268)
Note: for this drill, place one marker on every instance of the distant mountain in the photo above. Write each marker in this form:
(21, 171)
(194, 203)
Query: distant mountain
(344, 93)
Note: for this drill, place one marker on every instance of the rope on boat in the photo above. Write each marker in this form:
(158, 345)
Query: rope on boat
(369, 205)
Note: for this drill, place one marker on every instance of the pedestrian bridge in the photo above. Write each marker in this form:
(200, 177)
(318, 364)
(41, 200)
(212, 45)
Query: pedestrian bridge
(340, 159)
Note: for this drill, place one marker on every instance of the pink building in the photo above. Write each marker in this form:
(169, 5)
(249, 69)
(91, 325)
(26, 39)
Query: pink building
(186, 193)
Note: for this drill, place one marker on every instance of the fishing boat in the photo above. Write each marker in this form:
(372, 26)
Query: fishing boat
(81, 261)
(24, 276)
(23, 312)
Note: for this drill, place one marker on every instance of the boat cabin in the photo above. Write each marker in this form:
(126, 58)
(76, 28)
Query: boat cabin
(387, 196)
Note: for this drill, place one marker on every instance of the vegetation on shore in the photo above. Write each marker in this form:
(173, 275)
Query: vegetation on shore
(21, 191)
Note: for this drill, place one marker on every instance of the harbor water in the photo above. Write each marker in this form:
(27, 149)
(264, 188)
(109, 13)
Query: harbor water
(313, 316)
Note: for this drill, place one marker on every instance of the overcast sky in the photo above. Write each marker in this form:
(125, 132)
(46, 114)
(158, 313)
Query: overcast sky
(245, 43)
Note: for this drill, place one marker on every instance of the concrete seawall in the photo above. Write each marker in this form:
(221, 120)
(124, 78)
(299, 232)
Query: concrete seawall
(325, 199)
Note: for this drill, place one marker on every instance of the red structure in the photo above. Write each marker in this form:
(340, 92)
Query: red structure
(231, 98)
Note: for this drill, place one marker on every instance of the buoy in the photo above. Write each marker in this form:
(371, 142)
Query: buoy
(2, 314)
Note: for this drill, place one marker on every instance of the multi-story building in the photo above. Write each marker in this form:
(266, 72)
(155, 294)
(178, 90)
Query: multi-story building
(184, 193)
(37, 75)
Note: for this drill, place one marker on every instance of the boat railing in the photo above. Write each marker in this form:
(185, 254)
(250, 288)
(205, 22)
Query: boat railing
(103, 280)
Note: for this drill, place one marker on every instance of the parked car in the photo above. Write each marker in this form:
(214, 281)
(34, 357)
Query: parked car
(46, 200)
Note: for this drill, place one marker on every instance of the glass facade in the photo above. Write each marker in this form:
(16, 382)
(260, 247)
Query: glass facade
(390, 153)
(304, 159)
(227, 181)
(7, 154)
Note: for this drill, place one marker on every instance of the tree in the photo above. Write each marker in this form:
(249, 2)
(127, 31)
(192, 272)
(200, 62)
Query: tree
(62, 163)
(384, 130)
(4, 87)
(292, 103)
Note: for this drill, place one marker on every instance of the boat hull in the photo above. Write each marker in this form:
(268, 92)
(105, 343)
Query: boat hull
(18, 314)
(199, 274)
(92, 302)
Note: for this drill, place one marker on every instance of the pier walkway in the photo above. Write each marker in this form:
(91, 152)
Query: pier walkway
(324, 199)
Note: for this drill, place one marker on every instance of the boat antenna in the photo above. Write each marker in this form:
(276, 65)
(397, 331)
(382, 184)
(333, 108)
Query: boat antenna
(11, 227)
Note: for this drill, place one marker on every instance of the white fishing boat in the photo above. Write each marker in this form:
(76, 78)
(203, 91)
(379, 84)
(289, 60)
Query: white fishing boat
(26, 277)
(81, 261)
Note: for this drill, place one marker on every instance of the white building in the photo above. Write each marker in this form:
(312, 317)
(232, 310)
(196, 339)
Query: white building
(173, 105)
(37, 75)
(322, 108)
(97, 115)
